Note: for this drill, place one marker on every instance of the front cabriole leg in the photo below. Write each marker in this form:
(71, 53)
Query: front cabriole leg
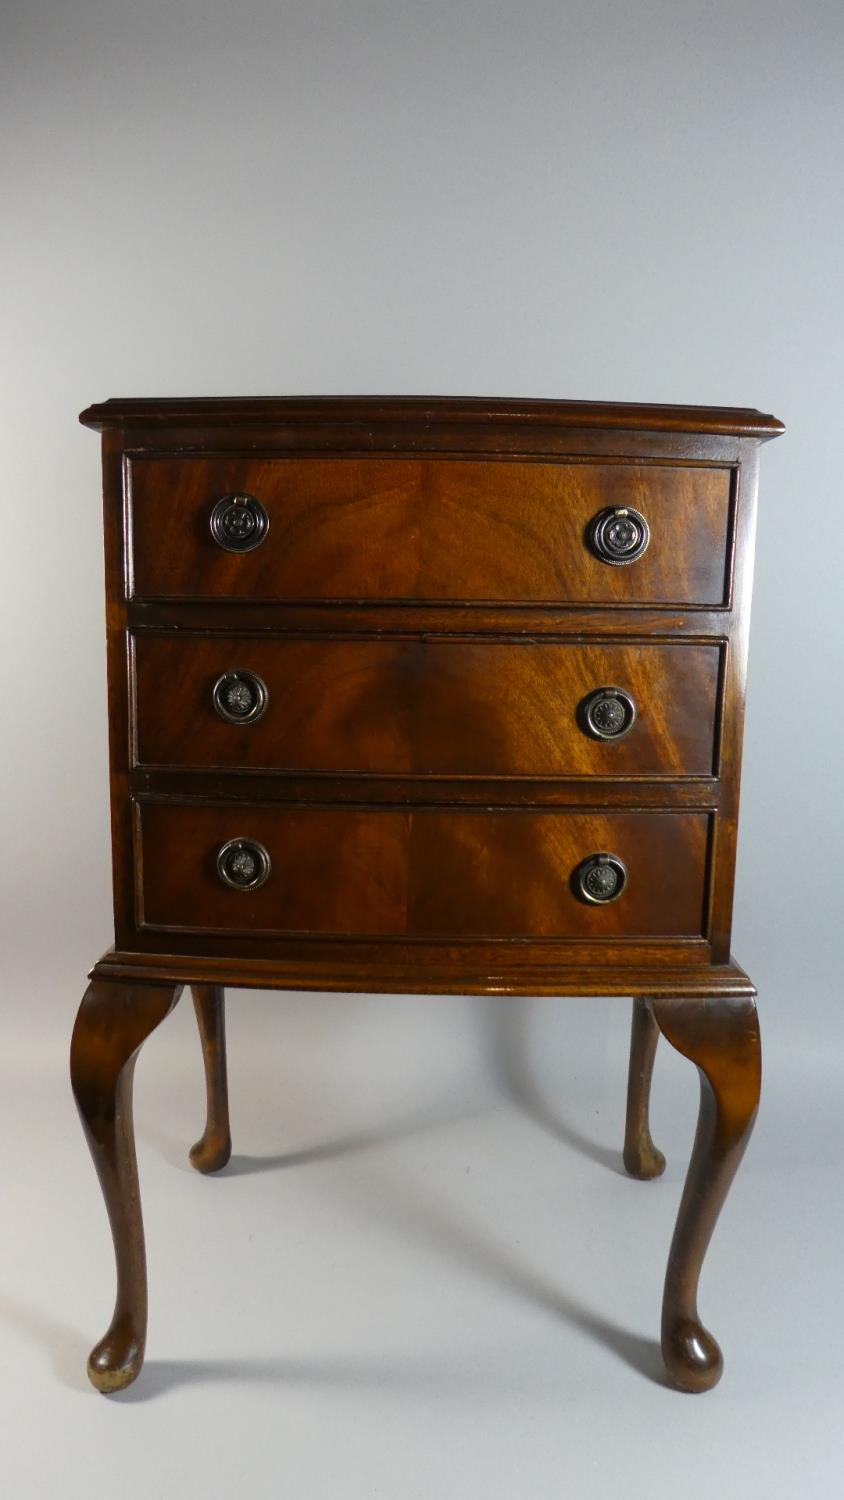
(114, 1021)
(721, 1037)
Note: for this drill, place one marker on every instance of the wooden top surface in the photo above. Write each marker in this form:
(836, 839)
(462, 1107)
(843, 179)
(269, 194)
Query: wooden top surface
(229, 411)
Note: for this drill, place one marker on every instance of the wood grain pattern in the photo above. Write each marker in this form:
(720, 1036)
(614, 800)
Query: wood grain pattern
(377, 528)
(423, 873)
(429, 708)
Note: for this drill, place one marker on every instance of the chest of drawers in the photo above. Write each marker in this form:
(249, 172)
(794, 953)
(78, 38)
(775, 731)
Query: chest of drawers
(426, 695)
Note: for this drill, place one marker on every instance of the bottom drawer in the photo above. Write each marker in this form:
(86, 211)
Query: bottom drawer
(420, 873)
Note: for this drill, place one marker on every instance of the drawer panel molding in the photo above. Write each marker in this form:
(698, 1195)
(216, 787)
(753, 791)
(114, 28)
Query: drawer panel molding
(468, 531)
(422, 873)
(426, 708)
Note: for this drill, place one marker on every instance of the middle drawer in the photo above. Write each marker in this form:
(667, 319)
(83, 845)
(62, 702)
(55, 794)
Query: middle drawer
(425, 707)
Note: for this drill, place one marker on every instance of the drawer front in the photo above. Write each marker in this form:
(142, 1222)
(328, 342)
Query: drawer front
(439, 708)
(420, 874)
(428, 529)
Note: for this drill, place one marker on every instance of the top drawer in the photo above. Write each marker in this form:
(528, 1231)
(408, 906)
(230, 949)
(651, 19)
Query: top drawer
(424, 529)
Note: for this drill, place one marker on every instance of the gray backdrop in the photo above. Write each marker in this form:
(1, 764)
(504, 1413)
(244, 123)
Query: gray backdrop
(634, 201)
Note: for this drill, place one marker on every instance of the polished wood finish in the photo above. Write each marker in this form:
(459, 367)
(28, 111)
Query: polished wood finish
(212, 1151)
(462, 969)
(722, 1040)
(428, 615)
(182, 431)
(239, 413)
(426, 707)
(113, 1023)
(377, 528)
(641, 1157)
(423, 873)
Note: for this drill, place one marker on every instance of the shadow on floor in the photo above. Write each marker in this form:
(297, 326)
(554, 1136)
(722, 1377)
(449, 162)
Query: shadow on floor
(410, 1212)
(507, 1027)
(68, 1351)
(65, 1346)
(425, 1375)
(385, 1133)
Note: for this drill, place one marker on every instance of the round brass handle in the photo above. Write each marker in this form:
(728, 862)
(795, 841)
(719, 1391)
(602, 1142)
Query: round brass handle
(608, 713)
(239, 696)
(601, 878)
(619, 536)
(239, 523)
(243, 864)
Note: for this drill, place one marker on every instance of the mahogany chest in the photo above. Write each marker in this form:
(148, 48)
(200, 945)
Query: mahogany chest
(431, 695)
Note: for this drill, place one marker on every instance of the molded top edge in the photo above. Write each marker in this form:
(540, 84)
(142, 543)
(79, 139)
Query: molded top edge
(227, 411)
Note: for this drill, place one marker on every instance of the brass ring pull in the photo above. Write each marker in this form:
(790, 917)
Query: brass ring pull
(608, 713)
(239, 696)
(619, 536)
(601, 879)
(239, 523)
(243, 864)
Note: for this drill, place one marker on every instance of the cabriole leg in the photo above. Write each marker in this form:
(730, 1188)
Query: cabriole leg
(721, 1037)
(114, 1021)
(214, 1148)
(641, 1157)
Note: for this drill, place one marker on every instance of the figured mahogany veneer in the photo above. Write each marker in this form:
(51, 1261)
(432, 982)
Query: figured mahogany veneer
(421, 873)
(376, 528)
(427, 615)
(426, 708)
